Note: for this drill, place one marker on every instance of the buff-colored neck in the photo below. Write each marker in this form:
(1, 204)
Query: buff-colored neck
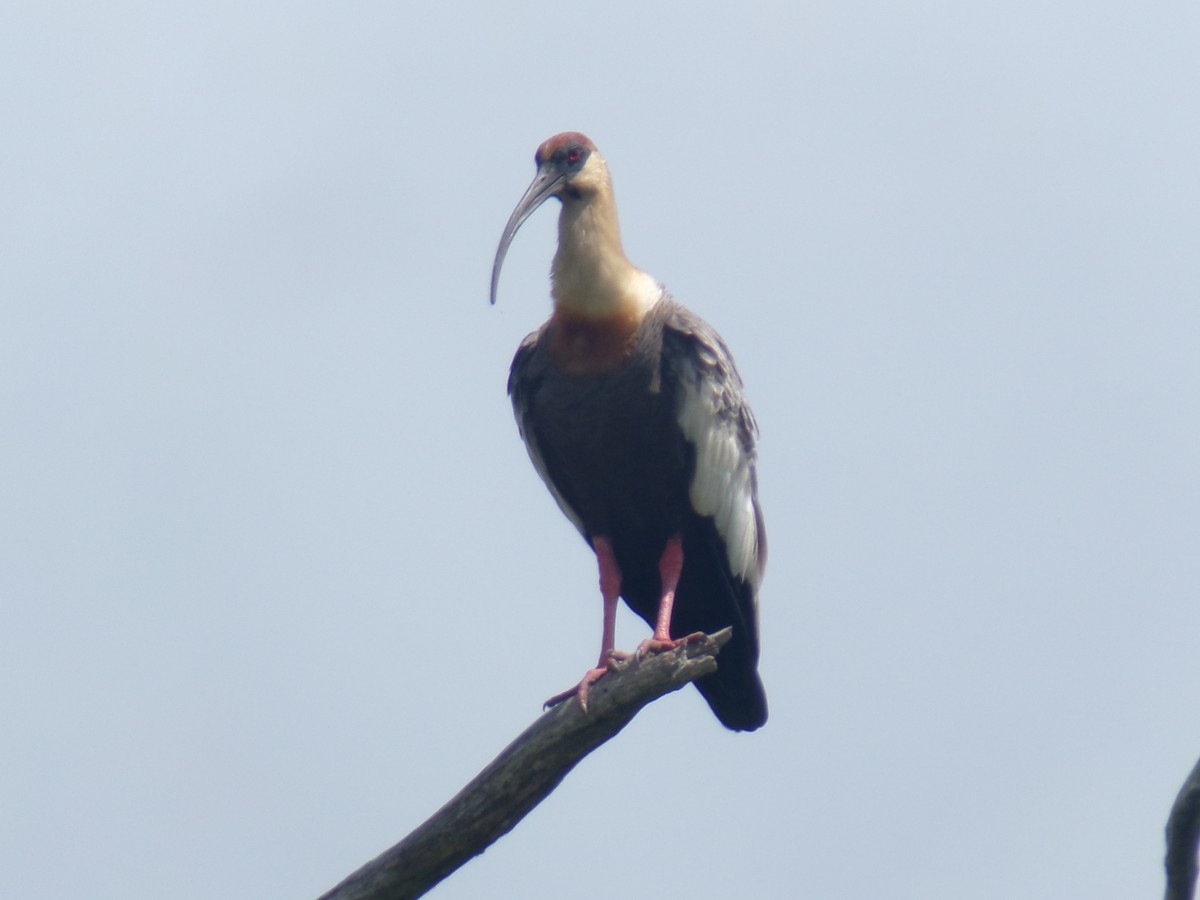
(591, 278)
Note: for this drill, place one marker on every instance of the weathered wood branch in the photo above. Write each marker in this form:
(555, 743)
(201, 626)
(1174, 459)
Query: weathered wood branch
(525, 773)
(1183, 836)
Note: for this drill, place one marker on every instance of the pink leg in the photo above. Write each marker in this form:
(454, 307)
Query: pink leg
(669, 568)
(670, 565)
(610, 591)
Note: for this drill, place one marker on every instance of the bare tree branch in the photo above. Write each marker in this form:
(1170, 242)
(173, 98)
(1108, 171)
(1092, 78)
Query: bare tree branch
(1183, 834)
(525, 773)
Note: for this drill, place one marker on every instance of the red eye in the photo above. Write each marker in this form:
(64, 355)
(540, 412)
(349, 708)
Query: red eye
(573, 155)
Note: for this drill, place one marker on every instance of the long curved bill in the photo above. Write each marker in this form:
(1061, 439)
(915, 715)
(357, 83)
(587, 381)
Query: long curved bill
(544, 186)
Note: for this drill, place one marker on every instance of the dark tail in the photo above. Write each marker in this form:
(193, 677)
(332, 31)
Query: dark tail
(714, 598)
(734, 691)
(708, 599)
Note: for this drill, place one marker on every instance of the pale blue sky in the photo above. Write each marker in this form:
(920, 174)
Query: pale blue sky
(277, 578)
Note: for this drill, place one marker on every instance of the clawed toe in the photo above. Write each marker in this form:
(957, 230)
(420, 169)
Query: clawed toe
(659, 645)
(590, 677)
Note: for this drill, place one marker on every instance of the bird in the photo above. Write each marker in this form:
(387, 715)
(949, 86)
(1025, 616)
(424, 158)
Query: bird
(634, 416)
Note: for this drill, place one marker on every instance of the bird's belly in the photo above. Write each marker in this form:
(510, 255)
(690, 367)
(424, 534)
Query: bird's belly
(619, 461)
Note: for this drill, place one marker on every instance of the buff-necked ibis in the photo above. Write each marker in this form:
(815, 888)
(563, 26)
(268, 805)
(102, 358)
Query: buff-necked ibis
(633, 414)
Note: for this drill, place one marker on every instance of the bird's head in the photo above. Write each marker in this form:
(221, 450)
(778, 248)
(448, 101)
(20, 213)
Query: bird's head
(569, 168)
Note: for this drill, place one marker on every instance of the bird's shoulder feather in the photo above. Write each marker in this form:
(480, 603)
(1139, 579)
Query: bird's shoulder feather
(714, 416)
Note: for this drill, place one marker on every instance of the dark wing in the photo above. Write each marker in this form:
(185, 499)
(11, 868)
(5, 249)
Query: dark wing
(712, 412)
(524, 378)
(725, 542)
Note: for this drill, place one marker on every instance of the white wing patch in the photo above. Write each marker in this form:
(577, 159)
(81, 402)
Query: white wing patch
(714, 418)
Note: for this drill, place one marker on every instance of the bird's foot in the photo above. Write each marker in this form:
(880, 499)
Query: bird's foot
(658, 644)
(590, 677)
